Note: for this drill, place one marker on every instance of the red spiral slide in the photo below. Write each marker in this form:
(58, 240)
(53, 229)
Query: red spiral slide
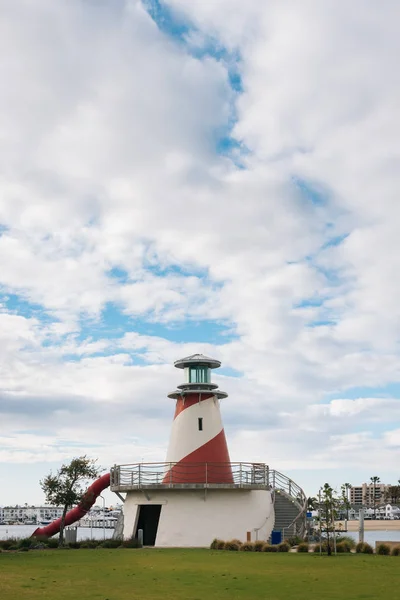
(79, 511)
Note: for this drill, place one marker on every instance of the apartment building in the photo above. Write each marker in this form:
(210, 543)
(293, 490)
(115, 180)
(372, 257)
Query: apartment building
(36, 514)
(363, 495)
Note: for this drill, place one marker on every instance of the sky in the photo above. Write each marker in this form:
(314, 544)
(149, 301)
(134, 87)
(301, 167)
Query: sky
(207, 176)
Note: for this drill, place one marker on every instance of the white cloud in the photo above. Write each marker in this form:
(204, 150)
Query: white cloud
(111, 191)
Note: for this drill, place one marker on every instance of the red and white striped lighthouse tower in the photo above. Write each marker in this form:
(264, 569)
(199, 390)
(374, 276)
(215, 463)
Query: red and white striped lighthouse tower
(197, 449)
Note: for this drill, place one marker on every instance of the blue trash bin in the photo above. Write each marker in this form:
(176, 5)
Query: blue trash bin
(276, 537)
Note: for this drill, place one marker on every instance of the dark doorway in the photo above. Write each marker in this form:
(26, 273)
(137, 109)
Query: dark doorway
(149, 516)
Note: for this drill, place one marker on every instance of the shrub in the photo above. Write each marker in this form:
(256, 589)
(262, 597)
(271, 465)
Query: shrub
(38, 546)
(6, 544)
(324, 547)
(233, 545)
(51, 543)
(74, 545)
(294, 540)
(283, 547)
(217, 544)
(89, 544)
(259, 545)
(360, 547)
(303, 547)
(247, 547)
(111, 543)
(383, 549)
(342, 547)
(351, 542)
(132, 543)
(25, 543)
(395, 551)
(270, 548)
(367, 549)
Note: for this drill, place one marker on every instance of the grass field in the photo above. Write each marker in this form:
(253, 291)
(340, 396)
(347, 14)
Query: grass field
(195, 575)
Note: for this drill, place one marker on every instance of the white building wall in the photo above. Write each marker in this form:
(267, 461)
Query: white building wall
(188, 518)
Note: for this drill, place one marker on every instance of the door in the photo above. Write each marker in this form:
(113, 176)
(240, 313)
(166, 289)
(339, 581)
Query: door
(149, 516)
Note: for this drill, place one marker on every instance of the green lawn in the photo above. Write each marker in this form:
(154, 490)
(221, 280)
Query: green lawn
(152, 574)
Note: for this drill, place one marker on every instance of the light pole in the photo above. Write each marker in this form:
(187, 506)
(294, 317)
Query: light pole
(104, 516)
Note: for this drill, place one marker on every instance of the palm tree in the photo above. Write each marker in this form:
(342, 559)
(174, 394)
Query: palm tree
(392, 494)
(312, 503)
(345, 489)
(375, 479)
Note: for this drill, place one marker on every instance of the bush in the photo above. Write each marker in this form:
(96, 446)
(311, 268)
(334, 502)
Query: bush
(233, 545)
(342, 547)
(324, 547)
(39, 546)
(367, 549)
(247, 547)
(395, 551)
(217, 544)
(283, 547)
(111, 543)
(383, 549)
(351, 542)
(303, 547)
(270, 548)
(259, 545)
(51, 543)
(360, 547)
(132, 543)
(74, 545)
(6, 544)
(294, 541)
(89, 544)
(25, 543)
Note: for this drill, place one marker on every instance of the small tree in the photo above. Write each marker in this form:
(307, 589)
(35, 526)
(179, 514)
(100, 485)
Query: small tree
(66, 487)
(328, 512)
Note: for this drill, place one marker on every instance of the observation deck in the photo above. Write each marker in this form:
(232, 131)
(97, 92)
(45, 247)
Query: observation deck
(248, 476)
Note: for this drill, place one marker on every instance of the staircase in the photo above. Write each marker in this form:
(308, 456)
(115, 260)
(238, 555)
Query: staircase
(290, 504)
(289, 516)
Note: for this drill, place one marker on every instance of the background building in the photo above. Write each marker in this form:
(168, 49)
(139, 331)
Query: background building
(33, 514)
(363, 495)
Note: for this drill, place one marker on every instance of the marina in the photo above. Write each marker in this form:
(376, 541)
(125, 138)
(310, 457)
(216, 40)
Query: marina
(83, 533)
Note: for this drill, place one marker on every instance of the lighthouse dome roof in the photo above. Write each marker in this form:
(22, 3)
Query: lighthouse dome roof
(197, 359)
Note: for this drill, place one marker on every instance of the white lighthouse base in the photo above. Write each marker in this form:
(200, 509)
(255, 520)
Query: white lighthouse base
(194, 517)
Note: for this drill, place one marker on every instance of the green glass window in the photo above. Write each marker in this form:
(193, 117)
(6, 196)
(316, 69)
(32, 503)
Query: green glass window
(199, 374)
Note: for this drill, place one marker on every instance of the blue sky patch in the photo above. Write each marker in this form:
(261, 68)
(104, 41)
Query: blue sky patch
(181, 30)
(310, 192)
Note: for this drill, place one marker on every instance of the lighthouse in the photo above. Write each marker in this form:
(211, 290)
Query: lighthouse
(198, 494)
(198, 451)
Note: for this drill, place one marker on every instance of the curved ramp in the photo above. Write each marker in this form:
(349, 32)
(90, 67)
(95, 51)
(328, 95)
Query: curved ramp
(79, 511)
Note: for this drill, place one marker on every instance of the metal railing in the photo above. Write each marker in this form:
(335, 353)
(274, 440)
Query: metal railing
(237, 474)
(148, 474)
(282, 483)
(138, 475)
(289, 488)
